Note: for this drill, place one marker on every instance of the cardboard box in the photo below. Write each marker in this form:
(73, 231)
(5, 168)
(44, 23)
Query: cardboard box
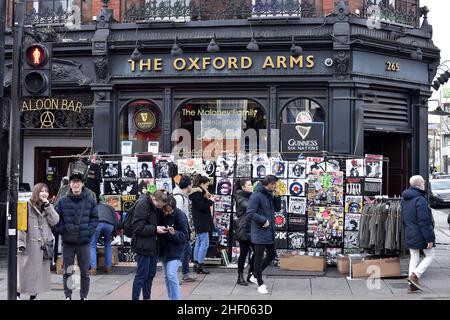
(375, 268)
(60, 264)
(343, 264)
(101, 256)
(303, 263)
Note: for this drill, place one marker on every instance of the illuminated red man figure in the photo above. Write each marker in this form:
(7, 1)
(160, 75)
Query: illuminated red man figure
(37, 56)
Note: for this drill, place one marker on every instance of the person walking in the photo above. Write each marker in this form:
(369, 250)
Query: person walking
(419, 231)
(172, 245)
(147, 214)
(203, 222)
(36, 245)
(261, 208)
(78, 222)
(181, 195)
(107, 224)
(243, 193)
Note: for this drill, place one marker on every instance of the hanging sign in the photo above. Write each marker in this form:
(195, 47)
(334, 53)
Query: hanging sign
(300, 138)
(144, 120)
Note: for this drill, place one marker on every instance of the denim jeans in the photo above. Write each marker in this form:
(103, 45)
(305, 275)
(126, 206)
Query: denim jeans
(201, 247)
(171, 276)
(186, 259)
(146, 271)
(107, 230)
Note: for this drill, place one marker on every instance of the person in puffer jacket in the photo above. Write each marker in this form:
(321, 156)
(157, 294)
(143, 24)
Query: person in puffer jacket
(243, 193)
(77, 209)
(419, 230)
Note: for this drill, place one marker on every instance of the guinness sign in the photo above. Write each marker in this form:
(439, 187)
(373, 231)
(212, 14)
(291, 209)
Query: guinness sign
(144, 120)
(299, 138)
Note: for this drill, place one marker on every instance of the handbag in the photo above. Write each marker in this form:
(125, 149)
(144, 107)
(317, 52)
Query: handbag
(71, 233)
(47, 247)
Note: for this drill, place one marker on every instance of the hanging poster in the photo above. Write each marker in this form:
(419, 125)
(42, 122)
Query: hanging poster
(129, 188)
(297, 187)
(164, 184)
(261, 166)
(297, 222)
(235, 252)
(244, 165)
(190, 166)
(111, 169)
(224, 187)
(128, 202)
(332, 256)
(209, 168)
(222, 220)
(114, 201)
(297, 169)
(373, 187)
(281, 221)
(222, 203)
(146, 170)
(315, 165)
(225, 166)
(353, 204)
(281, 240)
(129, 168)
(351, 240)
(282, 187)
(279, 168)
(164, 167)
(144, 184)
(332, 165)
(355, 168)
(153, 147)
(352, 221)
(354, 186)
(296, 240)
(297, 205)
(111, 186)
(284, 204)
(299, 138)
(374, 166)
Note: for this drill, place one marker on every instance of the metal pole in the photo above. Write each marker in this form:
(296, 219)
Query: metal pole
(2, 106)
(14, 148)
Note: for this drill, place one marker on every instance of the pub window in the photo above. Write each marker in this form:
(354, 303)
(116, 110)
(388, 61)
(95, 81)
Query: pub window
(140, 123)
(302, 110)
(237, 125)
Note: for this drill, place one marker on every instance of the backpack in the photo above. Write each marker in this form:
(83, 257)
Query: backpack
(128, 222)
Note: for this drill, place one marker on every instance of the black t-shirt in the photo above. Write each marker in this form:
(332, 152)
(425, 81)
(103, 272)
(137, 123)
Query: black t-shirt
(94, 179)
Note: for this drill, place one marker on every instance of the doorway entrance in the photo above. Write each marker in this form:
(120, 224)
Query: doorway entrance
(51, 171)
(397, 148)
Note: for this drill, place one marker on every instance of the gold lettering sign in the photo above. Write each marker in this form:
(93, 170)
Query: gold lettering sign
(144, 120)
(51, 104)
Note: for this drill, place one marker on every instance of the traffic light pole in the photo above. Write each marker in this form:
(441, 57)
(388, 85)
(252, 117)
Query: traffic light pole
(14, 148)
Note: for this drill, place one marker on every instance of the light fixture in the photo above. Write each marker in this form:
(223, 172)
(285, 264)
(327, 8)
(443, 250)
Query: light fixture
(443, 78)
(439, 112)
(296, 51)
(213, 46)
(136, 56)
(416, 54)
(176, 49)
(253, 45)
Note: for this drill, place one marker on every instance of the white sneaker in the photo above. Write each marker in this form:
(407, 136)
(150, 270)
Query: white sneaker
(253, 280)
(262, 289)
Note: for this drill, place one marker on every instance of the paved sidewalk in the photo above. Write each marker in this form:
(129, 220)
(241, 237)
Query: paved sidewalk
(221, 284)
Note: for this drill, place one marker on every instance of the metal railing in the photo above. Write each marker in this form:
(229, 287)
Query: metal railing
(52, 12)
(391, 12)
(196, 10)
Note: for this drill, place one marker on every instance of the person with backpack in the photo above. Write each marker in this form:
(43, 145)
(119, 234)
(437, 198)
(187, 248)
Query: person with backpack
(203, 221)
(243, 193)
(172, 245)
(419, 231)
(107, 224)
(78, 219)
(181, 195)
(145, 217)
(35, 245)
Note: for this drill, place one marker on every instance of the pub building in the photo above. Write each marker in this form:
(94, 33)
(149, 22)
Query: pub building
(363, 68)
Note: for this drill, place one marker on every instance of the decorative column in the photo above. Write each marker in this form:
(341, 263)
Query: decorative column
(167, 120)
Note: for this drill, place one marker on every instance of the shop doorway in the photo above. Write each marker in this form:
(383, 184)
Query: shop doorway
(51, 171)
(396, 147)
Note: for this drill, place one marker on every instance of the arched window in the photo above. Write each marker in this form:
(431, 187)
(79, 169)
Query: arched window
(302, 110)
(140, 123)
(236, 122)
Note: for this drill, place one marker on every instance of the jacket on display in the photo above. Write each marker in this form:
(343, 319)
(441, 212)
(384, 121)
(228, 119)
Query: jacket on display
(261, 207)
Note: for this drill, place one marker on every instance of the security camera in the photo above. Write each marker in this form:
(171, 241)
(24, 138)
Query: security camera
(329, 62)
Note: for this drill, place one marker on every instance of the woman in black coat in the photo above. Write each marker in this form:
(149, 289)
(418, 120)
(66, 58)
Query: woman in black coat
(243, 193)
(203, 222)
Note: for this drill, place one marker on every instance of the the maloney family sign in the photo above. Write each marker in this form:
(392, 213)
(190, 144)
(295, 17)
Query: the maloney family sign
(297, 138)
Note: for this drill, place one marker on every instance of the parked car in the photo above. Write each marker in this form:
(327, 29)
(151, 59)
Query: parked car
(440, 193)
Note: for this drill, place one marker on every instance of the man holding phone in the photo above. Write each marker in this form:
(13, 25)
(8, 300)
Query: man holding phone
(261, 208)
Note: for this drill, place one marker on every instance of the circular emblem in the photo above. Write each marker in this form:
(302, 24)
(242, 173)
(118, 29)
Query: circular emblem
(210, 168)
(144, 120)
(280, 220)
(278, 168)
(303, 117)
(282, 188)
(47, 119)
(49, 177)
(224, 187)
(296, 189)
(127, 205)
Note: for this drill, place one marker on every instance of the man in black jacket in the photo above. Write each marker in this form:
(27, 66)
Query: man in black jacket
(261, 208)
(78, 221)
(145, 229)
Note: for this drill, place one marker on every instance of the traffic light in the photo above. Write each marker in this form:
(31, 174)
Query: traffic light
(441, 80)
(37, 70)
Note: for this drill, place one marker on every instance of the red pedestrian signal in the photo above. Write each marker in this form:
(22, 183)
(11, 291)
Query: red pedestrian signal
(37, 70)
(36, 55)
